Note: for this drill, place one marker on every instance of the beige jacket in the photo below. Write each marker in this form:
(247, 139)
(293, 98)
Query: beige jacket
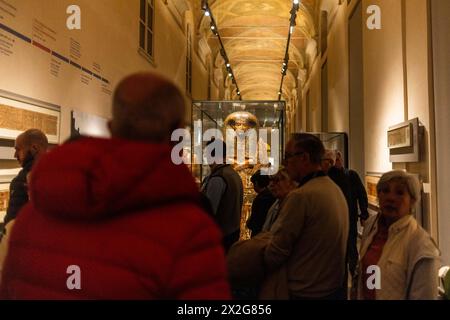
(310, 239)
(408, 263)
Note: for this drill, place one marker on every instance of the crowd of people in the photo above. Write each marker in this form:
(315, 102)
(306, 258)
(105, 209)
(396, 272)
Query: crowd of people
(136, 226)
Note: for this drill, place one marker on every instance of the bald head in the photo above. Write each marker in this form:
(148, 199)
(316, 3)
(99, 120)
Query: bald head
(30, 145)
(146, 107)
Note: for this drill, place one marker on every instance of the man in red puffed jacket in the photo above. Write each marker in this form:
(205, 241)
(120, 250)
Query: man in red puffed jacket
(115, 218)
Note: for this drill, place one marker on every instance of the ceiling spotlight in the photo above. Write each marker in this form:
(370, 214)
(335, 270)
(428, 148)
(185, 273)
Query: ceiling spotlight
(284, 63)
(228, 65)
(213, 27)
(296, 1)
(230, 75)
(207, 13)
(238, 93)
(291, 29)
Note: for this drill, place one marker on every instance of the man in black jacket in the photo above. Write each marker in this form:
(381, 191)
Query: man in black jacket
(29, 146)
(261, 204)
(358, 198)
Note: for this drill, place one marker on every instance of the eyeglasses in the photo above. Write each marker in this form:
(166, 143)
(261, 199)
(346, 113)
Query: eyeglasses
(288, 155)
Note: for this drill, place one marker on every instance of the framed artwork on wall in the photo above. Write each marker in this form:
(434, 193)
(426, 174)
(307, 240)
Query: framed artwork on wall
(371, 188)
(19, 113)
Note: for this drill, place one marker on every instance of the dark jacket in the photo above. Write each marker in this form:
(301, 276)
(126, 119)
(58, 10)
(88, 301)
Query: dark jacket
(124, 214)
(260, 206)
(18, 191)
(358, 196)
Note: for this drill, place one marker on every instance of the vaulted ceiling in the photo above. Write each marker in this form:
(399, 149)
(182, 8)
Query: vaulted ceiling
(254, 34)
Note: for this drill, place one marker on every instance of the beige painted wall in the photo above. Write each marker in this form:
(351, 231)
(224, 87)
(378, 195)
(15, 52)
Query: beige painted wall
(110, 37)
(419, 75)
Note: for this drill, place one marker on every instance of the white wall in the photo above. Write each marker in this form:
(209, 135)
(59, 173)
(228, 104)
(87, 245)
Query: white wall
(338, 103)
(419, 94)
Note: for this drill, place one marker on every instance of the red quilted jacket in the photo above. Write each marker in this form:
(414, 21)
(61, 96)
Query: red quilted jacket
(123, 214)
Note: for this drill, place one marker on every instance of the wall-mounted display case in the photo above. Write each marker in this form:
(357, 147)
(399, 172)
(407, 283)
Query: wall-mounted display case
(404, 141)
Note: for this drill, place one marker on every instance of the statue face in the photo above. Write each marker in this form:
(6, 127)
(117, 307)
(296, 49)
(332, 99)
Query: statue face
(241, 120)
(240, 125)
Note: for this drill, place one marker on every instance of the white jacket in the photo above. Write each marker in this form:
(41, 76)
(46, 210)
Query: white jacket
(408, 264)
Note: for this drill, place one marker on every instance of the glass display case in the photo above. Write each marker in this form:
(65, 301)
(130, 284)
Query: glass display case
(265, 117)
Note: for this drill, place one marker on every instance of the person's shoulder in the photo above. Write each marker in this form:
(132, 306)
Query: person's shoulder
(195, 227)
(217, 181)
(300, 196)
(423, 243)
(371, 220)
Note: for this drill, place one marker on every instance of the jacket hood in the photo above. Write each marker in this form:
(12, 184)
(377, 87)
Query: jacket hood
(93, 178)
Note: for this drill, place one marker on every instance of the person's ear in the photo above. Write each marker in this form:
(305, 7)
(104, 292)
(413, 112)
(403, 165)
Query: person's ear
(34, 149)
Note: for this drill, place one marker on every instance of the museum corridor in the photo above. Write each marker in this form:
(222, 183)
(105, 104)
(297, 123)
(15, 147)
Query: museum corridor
(368, 78)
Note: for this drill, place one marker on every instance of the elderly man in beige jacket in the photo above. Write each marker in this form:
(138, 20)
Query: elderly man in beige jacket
(309, 238)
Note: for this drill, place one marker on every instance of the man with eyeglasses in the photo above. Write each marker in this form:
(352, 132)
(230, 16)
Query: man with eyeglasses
(310, 235)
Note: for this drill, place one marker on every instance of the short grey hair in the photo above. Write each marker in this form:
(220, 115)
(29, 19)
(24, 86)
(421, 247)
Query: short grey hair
(35, 137)
(329, 155)
(410, 181)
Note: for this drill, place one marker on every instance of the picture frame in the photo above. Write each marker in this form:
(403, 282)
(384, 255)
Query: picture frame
(20, 113)
(4, 199)
(371, 182)
(6, 175)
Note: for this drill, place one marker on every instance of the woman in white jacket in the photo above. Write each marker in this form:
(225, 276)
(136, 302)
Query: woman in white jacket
(399, 259)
